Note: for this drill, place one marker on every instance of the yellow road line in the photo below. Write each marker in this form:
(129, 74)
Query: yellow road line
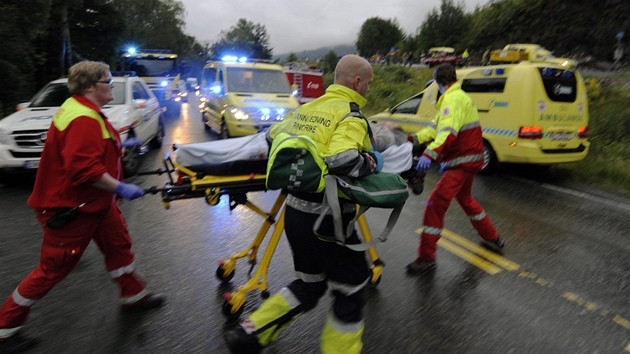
(489, 255)
(470, 257)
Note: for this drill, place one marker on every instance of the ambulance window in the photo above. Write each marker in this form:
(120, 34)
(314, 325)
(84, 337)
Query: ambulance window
(138, 92)
(560, 85)
(408, 107)
(210, 75)
(484, 85)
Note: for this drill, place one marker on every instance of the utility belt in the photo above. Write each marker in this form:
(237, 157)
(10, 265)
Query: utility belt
(312, 203)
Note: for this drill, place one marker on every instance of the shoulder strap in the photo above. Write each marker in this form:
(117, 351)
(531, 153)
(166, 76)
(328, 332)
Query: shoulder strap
(355, 111)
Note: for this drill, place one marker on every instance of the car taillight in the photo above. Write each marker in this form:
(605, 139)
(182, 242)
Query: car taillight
(533, 132)
(583, 132)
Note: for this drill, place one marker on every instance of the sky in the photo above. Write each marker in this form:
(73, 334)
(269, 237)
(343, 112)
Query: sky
(297, 25)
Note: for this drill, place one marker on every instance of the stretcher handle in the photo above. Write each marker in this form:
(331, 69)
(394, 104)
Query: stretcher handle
(156, 189)
(159, 171)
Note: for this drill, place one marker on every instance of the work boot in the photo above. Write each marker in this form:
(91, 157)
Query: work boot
(495, 246)
(420, 266)
(17, 343)
(241, 342)
(149, 302)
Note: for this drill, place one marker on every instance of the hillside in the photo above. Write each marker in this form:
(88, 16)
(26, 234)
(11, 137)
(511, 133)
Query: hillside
(319, 53)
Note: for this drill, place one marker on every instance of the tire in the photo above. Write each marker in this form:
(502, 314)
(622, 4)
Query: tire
(158, 139)
(131, 161)
(225, 133)
(489, 158)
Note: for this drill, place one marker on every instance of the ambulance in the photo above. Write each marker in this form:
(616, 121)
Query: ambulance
(240, 96)
(530, 113)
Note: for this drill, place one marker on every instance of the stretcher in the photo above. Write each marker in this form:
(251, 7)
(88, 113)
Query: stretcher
(201, 183)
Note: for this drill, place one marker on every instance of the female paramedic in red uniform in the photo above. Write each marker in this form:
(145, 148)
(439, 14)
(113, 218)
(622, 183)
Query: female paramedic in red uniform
(455, 140)
(80, 165)
(318, 264)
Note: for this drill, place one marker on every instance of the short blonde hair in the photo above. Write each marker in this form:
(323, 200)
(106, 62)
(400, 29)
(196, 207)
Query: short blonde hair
(84, 75)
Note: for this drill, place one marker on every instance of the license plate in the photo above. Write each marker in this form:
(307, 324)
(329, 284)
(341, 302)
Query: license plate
(561, 136)
(31, 164)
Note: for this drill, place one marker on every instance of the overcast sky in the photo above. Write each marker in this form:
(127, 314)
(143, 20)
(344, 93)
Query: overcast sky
(297, 25)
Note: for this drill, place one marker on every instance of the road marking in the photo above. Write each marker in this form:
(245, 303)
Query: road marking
(481, 263)
(473, 253)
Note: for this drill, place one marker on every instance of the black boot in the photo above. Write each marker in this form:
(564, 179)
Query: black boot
(241, 342)
(17, 343)
(149, 302)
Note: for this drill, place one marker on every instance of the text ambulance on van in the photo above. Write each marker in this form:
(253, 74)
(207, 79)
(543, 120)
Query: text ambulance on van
(530, 113)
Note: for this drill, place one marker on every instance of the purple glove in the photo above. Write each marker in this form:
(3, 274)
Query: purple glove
(131, 142)
(129, 191)
(423, 164)
(378, 158)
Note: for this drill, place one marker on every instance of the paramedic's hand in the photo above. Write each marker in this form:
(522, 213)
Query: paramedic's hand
(423, 164)
(129, 191)
(378, 159)
(131, 142)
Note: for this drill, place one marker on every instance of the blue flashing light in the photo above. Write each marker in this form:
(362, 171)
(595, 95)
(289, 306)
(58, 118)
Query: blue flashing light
(233, 59)
(499, 71)
(568, 74)
(131, 50)
(265, 111)
(242, 60)
(487, 72)
(281, 111)
(547, 72)
(215, 89)
(164, 83)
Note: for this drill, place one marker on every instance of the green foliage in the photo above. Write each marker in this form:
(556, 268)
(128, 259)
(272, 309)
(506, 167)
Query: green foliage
(378, 36)
(392, 84)
(244, 39)
(292, 58)
(329, 62)
(444, 28)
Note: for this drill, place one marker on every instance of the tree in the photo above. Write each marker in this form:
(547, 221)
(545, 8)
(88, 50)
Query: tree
(243, 39)
(292, 57)
(378, 36)
(329, 62)
(444, 28)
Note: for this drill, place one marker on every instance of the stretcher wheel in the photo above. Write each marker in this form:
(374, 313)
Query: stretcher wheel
(224, 277)
(227, 310)
(373, 283)
(265, 294)
(212, 199)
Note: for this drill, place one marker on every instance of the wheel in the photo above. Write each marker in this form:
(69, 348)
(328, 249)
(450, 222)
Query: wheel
(205, 121)
(131, 161)
(373, 284)
(265, 294)
(227, 310)
(225, 134)
(489, 158)
(158, 139)
(222, 277)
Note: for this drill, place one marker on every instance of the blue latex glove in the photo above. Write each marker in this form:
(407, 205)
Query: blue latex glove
(131, 142)
(378, 158)
(129, 191)
(423, 164)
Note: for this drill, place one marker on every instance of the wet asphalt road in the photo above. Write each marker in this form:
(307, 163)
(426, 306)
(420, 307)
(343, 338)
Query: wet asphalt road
(562, 285)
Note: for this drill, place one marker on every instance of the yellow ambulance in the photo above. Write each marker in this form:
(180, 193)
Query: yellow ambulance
(240, 96)
(531, 113)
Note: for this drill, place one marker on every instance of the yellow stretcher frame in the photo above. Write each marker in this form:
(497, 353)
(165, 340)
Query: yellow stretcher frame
(211, 187)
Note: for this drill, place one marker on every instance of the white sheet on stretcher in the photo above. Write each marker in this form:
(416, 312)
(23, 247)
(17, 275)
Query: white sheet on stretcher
(246, 148)
(397, 158)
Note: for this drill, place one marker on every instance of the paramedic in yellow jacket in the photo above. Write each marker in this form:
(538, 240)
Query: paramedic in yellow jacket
(320, 265)
(454, 139)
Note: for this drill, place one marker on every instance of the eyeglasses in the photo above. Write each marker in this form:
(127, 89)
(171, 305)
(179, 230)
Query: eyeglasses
(108, 82)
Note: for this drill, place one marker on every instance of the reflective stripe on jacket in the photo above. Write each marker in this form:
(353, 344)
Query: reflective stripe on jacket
(455, 135)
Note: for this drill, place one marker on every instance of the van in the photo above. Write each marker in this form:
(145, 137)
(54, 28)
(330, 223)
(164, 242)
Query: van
(530, 113)
(517, 52)
(241, 97)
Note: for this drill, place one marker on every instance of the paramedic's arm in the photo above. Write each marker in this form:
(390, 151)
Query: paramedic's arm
(107, 182)
(348, 149)
(445, 135)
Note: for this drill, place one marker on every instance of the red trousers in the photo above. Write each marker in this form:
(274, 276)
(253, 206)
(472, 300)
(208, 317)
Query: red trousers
(60, 253)
(455, 183)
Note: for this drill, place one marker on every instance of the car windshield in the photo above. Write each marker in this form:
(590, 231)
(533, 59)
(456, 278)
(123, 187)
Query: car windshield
(54, 95)
(257, 80)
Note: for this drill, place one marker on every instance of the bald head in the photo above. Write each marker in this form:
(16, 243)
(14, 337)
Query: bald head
(355, 73)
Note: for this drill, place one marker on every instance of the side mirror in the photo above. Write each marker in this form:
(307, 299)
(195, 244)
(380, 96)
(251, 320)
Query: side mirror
(22, 105)
(140, 103)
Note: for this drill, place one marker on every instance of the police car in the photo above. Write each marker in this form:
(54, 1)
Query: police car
(134, 112)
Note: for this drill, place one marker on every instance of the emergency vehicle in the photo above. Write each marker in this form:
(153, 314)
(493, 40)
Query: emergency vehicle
(532, 113)
(241, 96)
(517, 52)
(160, 69)
(441, 55)
(308, 80)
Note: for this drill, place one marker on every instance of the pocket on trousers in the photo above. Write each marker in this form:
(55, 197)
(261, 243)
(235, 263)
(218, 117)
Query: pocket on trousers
(60, 259)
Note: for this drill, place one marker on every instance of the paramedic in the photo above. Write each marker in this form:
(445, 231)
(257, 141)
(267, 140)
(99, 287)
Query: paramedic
(454, 139)
(80, 165)
(319, 264)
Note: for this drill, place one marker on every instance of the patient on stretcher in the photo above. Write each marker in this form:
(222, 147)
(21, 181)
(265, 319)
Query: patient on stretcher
(248, 154)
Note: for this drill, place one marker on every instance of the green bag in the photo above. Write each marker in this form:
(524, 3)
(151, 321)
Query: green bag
(378, 190)
(295, 164)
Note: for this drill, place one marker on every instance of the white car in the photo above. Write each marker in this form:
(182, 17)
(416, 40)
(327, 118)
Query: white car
(134, 112)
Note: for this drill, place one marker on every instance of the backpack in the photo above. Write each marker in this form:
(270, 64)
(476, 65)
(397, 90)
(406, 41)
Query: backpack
(295, 164)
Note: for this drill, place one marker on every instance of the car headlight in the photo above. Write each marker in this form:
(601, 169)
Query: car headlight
(4, 137)
(238, 114)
